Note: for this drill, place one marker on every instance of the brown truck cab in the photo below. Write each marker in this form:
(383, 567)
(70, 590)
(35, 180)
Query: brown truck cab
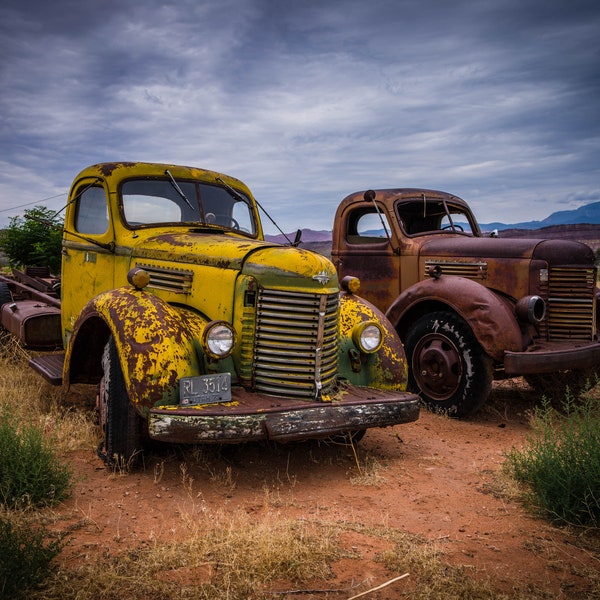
(469, 308)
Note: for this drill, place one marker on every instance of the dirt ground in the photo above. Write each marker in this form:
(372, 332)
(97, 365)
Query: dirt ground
(435, 478)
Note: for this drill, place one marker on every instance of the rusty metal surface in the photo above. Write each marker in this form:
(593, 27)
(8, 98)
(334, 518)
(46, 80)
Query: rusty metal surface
(261, 417)
(549, 358)
(37, 325)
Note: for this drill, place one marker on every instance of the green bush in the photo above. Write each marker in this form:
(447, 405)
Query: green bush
(561, 465)
(34, 240)
(25, 556)
(30, 472)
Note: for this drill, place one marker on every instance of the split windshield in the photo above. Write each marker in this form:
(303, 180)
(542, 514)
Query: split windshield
(149, 202)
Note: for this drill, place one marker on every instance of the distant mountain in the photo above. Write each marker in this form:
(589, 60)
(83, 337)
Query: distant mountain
(590, 214)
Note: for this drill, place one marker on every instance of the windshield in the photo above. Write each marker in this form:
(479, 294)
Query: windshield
(419, 216)
(149, 202)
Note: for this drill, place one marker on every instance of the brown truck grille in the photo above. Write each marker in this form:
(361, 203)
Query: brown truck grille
(296, 343)
(570, 303)
(471, 270)
(171, 280)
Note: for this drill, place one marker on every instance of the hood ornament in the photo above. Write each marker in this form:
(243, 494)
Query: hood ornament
(322, 277)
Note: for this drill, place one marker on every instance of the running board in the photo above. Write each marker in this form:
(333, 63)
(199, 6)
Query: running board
(49, 366)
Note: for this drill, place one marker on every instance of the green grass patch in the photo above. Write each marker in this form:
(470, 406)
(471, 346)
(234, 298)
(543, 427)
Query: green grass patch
(31, 473)
(25, 555)
(560, 464)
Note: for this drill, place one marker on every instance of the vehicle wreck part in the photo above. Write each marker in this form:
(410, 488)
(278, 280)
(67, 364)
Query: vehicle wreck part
(122, 445)
(531, 309)
(448, 365)
(5, 294)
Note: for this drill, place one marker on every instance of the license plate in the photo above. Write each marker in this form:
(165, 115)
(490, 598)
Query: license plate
(205, 389)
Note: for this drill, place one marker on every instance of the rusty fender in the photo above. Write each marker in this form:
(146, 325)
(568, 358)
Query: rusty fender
(385, 369)
(491, 318)
(156, 343)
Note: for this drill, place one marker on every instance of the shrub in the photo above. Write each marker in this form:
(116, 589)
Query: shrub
(24, 556)
(561, 465)
(33, 240)
(30, 472)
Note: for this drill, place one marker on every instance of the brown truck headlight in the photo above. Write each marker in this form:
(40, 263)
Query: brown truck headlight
(531, 309)
(218, 339)
(367, 336)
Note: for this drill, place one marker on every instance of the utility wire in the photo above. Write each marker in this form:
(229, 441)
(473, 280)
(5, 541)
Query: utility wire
(34, 202)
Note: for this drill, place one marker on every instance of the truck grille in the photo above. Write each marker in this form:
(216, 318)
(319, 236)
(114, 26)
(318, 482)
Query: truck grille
(570, 304)
(170, 280)
(295, 343)
(471, 270)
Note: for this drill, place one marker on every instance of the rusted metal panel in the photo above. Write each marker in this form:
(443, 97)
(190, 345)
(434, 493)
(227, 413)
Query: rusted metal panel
(37, 325)
(262, 417)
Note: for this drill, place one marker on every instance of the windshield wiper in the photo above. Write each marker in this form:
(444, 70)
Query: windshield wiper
(178, 189)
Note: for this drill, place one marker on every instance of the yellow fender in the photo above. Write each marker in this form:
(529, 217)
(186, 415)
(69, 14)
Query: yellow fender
(385, 369)
(156, 343)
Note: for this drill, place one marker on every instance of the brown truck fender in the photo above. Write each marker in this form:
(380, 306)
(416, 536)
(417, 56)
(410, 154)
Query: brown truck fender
(490, 317)
(385, 369)
(156, 344)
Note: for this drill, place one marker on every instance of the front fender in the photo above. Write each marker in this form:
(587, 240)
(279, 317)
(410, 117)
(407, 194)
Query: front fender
(385, 369)
(157, 343)
(489, 316)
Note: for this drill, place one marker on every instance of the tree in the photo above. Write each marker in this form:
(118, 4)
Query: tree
(34, 240)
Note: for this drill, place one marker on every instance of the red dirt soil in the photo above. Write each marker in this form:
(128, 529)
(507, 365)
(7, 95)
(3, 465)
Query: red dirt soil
(436, 478)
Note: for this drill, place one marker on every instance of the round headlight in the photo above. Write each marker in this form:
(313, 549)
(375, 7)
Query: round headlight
(368, 337)
(218, 339)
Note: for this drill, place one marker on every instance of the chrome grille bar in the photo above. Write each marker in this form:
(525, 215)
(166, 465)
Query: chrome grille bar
(295, 343)
(571, 303)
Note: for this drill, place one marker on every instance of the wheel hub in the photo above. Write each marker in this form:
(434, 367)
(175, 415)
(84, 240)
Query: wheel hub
(437, 366)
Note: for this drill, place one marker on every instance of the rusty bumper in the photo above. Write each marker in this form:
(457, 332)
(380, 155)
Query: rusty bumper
(253, 417)
(551, 359)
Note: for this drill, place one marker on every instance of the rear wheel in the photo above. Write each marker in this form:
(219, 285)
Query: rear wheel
(122, 445)
(448, 366)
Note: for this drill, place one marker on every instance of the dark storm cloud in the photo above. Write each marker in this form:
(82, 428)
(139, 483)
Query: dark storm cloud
(306, 102)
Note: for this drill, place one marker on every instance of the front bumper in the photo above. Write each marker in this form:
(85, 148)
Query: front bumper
(252, 417)
(550, 358)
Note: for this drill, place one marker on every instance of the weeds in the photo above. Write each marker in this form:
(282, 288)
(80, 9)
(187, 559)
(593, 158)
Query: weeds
(25, 555)
(31, 474)
(561, 464)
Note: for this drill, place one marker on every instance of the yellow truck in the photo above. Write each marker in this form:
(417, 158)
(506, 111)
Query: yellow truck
(196, 329)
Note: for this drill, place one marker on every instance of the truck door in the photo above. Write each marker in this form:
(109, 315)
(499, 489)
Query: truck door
(364, 250)
(88, 250)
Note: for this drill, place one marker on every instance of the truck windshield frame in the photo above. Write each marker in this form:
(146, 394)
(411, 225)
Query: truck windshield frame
(147, 203)
(418, 217)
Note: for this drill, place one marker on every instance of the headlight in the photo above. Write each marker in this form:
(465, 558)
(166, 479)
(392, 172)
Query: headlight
(218, 339)
(368, 337)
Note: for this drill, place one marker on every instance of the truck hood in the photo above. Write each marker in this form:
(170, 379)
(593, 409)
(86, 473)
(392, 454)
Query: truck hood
(264, 260)
(565, 252)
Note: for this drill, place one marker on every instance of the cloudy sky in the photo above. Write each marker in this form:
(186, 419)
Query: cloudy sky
(497, 101)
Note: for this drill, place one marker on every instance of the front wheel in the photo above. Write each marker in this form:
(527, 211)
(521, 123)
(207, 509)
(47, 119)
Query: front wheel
(448, 366)
(122, 444)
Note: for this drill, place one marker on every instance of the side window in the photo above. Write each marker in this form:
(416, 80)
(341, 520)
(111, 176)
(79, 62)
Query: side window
(367, 228)
(91, 215)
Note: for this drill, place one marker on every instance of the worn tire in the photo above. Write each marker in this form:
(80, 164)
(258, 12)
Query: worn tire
(447, 365)
(122, 445)
(5, 294)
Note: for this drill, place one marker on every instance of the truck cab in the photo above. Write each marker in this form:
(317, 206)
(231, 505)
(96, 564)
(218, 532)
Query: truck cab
(196, 329)
(470, 308)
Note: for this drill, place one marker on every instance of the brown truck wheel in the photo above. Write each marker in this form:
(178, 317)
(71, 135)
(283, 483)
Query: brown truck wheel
(447, 366)
(122, 445)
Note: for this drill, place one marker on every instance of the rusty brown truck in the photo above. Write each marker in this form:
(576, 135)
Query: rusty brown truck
(469, 308)
(194, 327)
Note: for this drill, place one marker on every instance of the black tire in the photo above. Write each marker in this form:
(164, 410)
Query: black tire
(122, 445)
(447, 365)
(5, 294)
